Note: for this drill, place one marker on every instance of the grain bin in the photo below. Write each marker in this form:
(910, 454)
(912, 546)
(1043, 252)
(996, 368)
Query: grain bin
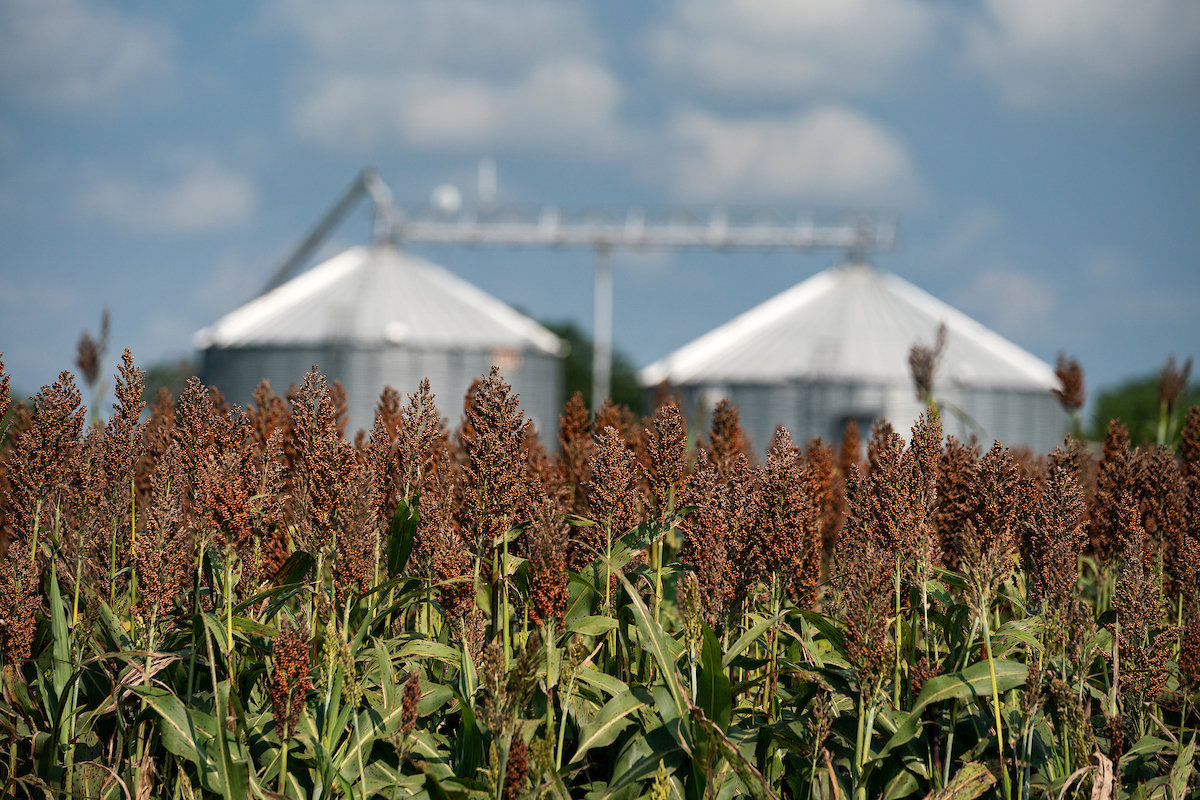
(378, 316)
(834, 348)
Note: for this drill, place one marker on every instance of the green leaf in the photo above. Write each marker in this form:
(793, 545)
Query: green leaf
(62, 639)
(601, 680)
(438, 791)
(181, 734)
(427, 648)
(825, 625)
(582, 598)
(434, 699)
(654, 639)
(361, 738)
(714, 696)
(592, 626)
(748, 638)
(468, 742)
(902, 784)
(612, 719)
(295, 570)
(252, 628)
(401, 534)
(969, 782)
(975, 680)
(216, 627)
(1181, 772)
(468, 681)
(235, 772)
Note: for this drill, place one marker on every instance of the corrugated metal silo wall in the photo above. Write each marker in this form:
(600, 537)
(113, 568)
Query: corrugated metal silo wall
(808, 409)
(365, 371)
(812, 409)
(1016, 418)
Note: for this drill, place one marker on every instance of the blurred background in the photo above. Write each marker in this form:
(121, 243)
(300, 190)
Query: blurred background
(162, 159)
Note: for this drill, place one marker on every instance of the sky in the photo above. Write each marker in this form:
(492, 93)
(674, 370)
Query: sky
(162, 158)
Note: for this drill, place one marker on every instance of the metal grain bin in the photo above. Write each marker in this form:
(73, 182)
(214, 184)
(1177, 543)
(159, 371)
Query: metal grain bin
(373, 317)
(834, 348)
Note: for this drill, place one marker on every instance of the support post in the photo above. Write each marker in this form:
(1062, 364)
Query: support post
(602, 313)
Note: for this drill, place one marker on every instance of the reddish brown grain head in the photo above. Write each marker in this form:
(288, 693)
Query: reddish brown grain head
(436, 513)
(880, 512)
(163, 556)
(725, 537)
(4, 398)
(850, 450)
(791, 537)
(341, 407)
(1071, 393)
(575, 451)
(923, 362)
(123, 434)
(1173, 382)
(90, 351)
(1054, 539)
(493, 475)
(1189, 447)
(826, 491)
(1189, 653)
(1002, 500)
(541, 477)
(20, 599)
(893, 507)
(1113, 478)
(405, 442)
(451, 570)
(156, 439)
(291, 654)
(612, 494)
(409, 700)
(726, 440)
(549, 541)
(706, 543)
(865, 601)
(267, 413)
(44, 468)
(666, 448)
(323, 461)
(440, 550)
(360, 542)
(516, 769)
(1071, 455)
(1145, 645)
(613, 415)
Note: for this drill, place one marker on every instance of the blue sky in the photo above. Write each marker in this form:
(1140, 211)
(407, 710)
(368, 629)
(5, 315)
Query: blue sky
(162, 158)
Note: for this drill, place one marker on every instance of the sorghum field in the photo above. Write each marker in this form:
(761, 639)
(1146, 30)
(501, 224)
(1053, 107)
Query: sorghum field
(246, 604)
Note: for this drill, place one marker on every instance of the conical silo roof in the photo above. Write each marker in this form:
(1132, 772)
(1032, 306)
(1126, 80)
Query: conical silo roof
(849, 323)
(377, 296)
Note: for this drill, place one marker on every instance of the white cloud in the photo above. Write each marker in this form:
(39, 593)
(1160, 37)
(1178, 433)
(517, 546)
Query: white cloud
(207, 196)
(233, 280)
(1010, 300)
(778, 48)
(464, 37)
(568, 106)
(77, 53)
(1076, 52)
(454, 75)
(831, 154)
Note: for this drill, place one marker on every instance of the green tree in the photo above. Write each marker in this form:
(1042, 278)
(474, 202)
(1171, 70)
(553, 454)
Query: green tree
(1136, 403)
(577, 369)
